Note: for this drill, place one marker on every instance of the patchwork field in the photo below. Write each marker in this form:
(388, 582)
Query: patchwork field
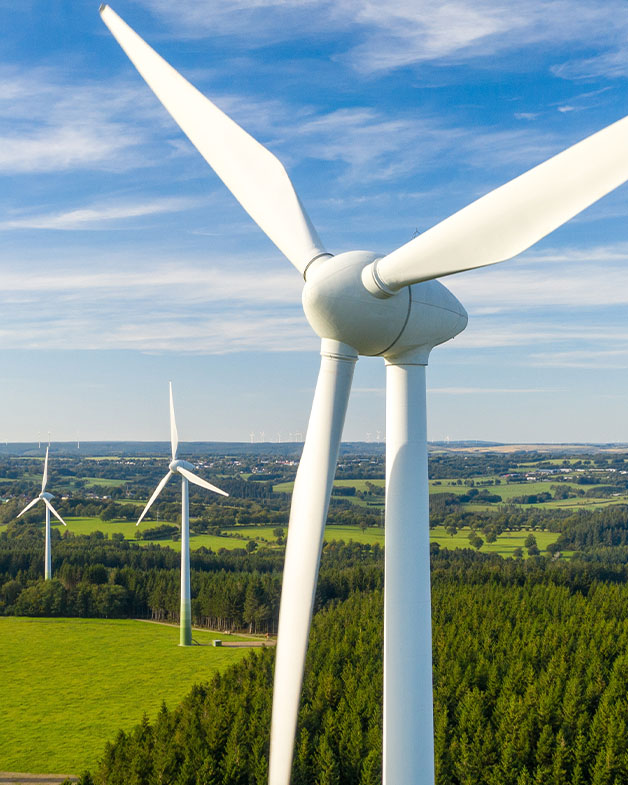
(70, 684)
(263, 535)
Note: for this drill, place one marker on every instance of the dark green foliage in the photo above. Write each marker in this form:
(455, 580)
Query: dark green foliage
(95, 577)
(530, 680)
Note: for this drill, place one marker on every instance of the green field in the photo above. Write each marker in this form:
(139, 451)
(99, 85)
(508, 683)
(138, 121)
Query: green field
(70, 684)
(103, 481)
(507, 491)
(129, 529)
(359, 485)
(263, 535)
(504, 545)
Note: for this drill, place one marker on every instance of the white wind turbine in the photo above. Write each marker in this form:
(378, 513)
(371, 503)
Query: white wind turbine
(185, 470)
(361, 302)
(45, 498)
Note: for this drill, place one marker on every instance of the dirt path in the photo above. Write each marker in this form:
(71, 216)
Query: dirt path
(16, 778)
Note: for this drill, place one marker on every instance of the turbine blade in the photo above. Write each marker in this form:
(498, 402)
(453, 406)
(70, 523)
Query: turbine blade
(54, 512)
(199, 481)
(29, 505)
(310, 500)
(174, 436)
(45, 477)
(156, 492)
(251, 172)
(516, 215)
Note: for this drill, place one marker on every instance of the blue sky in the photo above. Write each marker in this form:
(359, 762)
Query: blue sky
(125, 263)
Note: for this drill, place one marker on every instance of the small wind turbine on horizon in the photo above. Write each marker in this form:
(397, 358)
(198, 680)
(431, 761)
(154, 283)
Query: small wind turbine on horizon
(391, 306)
(177, 466)
(45, 498)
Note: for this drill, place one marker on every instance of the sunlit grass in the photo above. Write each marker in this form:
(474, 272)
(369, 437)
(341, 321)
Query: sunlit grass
(70, 684)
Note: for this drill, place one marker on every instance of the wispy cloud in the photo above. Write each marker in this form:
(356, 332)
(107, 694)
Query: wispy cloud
(94, 217)
(488, 390)
(51, 122)
(174, 281)
(568, 279)
(599, 357)
(399, 33)
(611, 65)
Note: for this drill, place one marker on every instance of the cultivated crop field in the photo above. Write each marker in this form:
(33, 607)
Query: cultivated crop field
(68, 685)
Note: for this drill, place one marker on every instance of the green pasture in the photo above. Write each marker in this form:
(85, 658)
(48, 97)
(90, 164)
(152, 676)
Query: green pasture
(504, 545)
(130, 531)
(70, 684)
(359, 485)
(104, 482)
(263, 535)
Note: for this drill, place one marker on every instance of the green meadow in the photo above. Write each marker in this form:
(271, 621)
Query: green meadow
(505, 544)
(263, 535)
(70, 684)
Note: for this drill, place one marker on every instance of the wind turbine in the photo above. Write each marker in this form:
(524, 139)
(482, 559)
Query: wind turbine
(177, 466)
(366, 303)
(45, 498)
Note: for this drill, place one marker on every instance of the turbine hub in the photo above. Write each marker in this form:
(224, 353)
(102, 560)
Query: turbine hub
(174, 465)
(339, 306)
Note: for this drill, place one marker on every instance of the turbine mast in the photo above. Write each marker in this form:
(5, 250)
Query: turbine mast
(48, 555)
(408, 706)
(185, 638)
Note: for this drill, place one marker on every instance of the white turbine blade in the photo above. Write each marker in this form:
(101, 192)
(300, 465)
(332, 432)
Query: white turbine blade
(310, 500)
(54, 512)
(516, 215)
(45, 477)
(156, 492)
(250, 171)
(198, 481)
(174, 436)
(29, 505)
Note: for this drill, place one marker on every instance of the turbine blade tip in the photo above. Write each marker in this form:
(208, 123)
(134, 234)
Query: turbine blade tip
(102, 8)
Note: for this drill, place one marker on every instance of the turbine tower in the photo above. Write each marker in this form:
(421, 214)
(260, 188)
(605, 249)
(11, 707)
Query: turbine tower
(366, 303)
(185, 470)
(45, 498)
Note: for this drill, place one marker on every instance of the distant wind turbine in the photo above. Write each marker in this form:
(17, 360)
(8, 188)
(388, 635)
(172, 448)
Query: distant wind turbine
(185, 470)
(45, 498)
(391, 306)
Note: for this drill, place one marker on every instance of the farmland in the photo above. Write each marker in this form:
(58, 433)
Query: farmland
(74, 683)
(86, 677)
(232, 539)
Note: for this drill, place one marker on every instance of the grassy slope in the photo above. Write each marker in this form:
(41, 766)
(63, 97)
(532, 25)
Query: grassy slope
(70, 684)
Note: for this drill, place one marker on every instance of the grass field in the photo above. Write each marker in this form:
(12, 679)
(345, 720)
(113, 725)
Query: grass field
(263, 535)
(507, 491)
(129, 529)
(359, 485)
(70, 684)
(504, 545)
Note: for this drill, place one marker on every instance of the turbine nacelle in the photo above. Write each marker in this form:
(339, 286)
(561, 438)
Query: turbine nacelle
(178, 463)
(46, 495)
(340, 306)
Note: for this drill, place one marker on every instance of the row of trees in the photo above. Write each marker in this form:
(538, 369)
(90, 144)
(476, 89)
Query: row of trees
(232, 590)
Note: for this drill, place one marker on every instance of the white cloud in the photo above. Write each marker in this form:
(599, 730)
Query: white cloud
(572, 278)
(50, 122)
(384, 36)
(487, 390)
(95, 216)
(174, 281)
(611, 65)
